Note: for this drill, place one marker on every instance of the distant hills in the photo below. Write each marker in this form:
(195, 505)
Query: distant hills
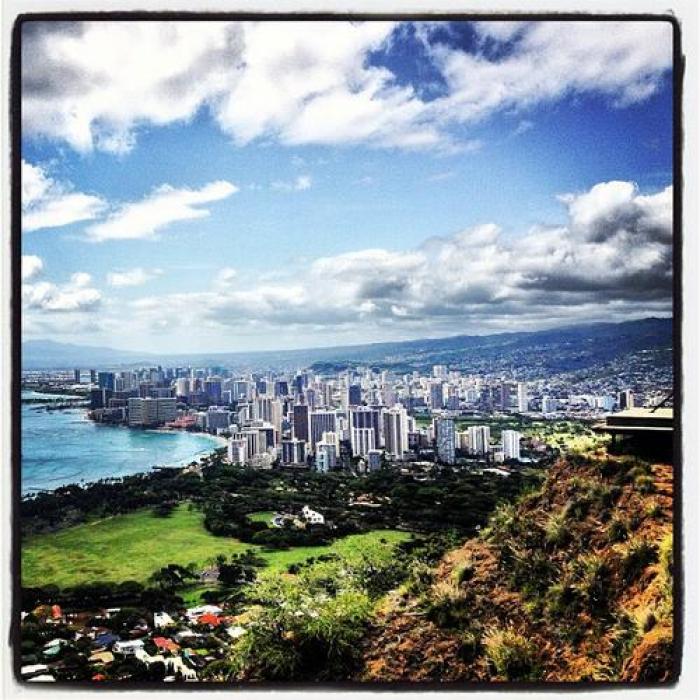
(542, 352)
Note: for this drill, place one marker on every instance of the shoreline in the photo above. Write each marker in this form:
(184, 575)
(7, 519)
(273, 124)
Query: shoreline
(213, 443)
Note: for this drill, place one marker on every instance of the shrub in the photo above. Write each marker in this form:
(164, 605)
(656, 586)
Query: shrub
(638, 556)
(470, 646)
(617, 531)
(644, 484)
(557, 530)
(594, 575)
(577, 508)
(513, 657)
(654, 510)
(464, 573)
(623, 638)
(563, 600)
(420, 577)
(447, 606)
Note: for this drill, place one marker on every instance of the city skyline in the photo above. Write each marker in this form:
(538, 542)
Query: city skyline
(275, 188)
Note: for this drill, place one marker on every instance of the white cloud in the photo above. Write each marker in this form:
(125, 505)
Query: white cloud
(549, 60)
(80, 279)
(32, 265)
(225, 277)
(164, 206)
(131, 278)
(76, 295)
(47, 203)
(607, 260)
(93, 84)
(299, 184)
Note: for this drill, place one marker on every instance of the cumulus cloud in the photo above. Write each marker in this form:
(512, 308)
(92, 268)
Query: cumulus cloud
(164, 206)
(611, 258)
(131, 278)
(32, 265)
(76, 295)
(47, 203)
(550, 60)
(92, 84)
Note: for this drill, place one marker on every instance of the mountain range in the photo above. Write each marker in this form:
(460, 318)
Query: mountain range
(542, 352)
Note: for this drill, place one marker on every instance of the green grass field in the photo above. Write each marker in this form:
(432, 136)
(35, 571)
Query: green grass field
(133, 546)
(262, 516)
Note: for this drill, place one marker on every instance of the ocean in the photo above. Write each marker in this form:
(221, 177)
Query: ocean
(65, 447)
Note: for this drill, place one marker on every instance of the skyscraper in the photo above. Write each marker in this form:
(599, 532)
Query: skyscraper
(445, 440)
(105, 380)
(293, 451)
(362, 441)
(511, 444)
(625, 399)
(479, 439)
(301, 422)
(354, 395)
(523, 403)
(365, 417)
(395, 431)
(326, 456)
(321, 422)
(437, 395)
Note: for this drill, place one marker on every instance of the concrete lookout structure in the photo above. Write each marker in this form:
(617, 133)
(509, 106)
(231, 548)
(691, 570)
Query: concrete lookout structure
(644, 430)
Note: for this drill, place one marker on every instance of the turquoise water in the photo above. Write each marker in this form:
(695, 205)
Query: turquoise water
(65, 447)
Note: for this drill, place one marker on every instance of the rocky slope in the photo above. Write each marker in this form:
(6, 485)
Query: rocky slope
(573, 582)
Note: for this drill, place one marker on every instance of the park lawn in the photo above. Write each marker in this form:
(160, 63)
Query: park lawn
(133, 546)
(262, 516)
(121, 548)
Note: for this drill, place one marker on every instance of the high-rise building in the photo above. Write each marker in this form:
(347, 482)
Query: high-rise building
(300, 418)
(625, 399)
(321, 422)
(182, 387)
(262, 408)
(241, 390)
(237, 451)
(362, 441)
(293, 451)
(445, 440)
(354, 395)
(508, 396)
(511, 444)
(549, 405)
(523, 403)
(218, 418)
(212, 389)
(437, 395)
(76, 376)
(479, 439)
(463, 440)
(440, 371)
(365, 417)
(105, 380)
(151, 411)
(251, 437)
(326, 456)
(395, 431)
(374, 460)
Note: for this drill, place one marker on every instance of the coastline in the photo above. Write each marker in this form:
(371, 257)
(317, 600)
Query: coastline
(41, 473)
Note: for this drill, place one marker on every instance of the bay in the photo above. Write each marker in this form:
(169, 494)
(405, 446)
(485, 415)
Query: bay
(65, 447)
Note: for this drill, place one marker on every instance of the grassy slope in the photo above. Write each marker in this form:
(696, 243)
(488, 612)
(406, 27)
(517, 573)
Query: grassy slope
(131, 547)
(566, 645)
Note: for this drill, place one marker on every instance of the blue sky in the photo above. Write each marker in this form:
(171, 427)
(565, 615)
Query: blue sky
(380, 182)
